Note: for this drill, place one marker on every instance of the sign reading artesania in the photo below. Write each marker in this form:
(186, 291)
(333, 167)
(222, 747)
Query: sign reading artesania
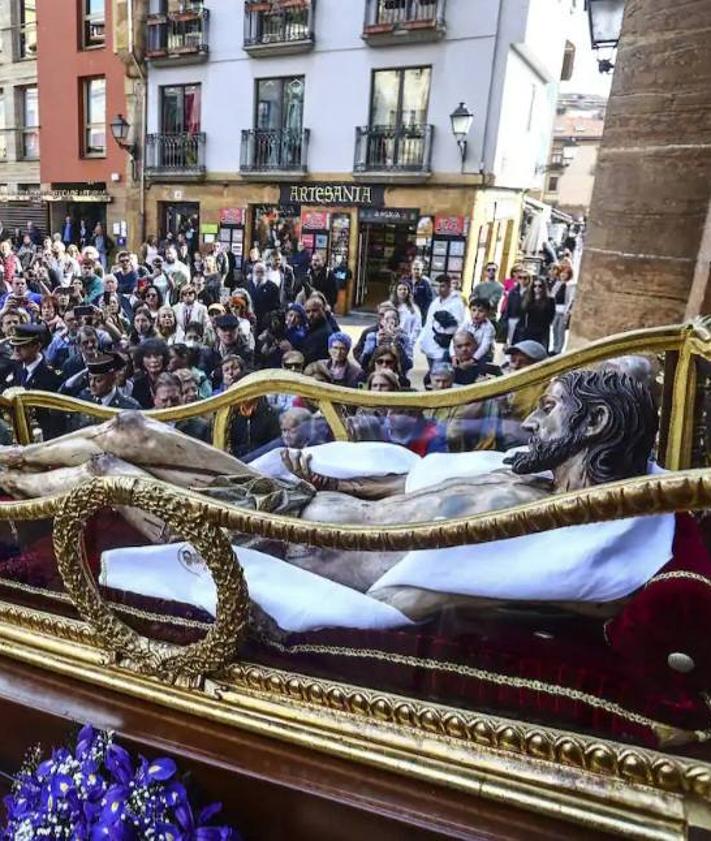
(361, 195)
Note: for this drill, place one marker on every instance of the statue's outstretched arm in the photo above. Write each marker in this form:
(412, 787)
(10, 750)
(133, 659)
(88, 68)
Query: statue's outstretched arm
(299, 463)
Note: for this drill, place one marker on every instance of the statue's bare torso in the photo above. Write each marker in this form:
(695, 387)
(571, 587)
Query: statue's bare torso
(134, 445)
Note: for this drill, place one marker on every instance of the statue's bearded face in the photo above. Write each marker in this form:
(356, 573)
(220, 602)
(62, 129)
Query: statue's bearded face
(554, 438)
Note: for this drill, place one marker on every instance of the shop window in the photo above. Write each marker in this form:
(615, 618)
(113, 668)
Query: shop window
(27, 32)
(94, 106)
(93, 22)
(28, 140)
(276, 227)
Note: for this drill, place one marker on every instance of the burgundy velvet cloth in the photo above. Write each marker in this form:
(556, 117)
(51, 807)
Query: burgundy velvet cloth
(556, 669)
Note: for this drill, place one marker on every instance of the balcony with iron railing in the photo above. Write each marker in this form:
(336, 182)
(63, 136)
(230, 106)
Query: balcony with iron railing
(178, 37)
(274, 152)
(176, 156)
(402, 21)
(396, 152)
(278, 26)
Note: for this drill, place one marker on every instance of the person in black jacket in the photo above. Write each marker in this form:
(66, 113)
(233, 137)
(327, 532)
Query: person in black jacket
(264, 293)
(103, 371)
(33, 373)
(323, 281)
(315, 345)
(151, 360)
(538, 314)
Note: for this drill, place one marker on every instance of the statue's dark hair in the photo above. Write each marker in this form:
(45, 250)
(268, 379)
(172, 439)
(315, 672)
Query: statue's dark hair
(622, 448)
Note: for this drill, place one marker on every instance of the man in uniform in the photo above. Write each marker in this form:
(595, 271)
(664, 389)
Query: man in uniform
(102, 390)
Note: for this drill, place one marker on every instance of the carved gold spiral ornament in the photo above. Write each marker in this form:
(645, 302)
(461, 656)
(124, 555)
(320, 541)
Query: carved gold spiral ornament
(163, 660)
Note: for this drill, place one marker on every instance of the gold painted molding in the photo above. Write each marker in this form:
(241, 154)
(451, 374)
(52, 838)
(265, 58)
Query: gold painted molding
(629, 791)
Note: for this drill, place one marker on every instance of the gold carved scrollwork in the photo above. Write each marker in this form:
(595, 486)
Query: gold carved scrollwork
(147, 656)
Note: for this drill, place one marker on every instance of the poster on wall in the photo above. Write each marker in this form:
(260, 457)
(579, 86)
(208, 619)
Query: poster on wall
(312, 220)
(451, 226)
(232, 216)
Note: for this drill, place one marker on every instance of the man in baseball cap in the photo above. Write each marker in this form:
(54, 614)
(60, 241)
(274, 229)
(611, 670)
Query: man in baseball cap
(525, 353)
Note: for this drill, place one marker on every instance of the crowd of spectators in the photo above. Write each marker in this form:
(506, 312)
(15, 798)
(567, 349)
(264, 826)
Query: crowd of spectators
(173, 325)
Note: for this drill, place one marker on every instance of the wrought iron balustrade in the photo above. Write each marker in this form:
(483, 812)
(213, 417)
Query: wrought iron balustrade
(269, 28)
(274, 150)
(179, 35)
(176, 153)
(420, 19)
(406, 148)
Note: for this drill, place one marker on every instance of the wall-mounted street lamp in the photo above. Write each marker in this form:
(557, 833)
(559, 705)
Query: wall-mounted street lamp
(461, 119)
(605, 19)
(120, 131)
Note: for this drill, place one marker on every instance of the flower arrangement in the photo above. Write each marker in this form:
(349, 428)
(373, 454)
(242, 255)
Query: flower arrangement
(98, 792)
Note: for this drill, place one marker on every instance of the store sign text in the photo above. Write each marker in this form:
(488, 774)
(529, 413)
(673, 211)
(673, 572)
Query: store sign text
(343, 194)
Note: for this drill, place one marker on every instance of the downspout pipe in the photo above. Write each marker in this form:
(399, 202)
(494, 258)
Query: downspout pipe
(144, 118)
(489, 103)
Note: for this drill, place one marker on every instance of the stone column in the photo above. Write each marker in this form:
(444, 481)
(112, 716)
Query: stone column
(649, 236)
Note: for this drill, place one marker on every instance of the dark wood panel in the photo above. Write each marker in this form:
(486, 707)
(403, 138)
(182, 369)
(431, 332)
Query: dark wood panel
(271, 790)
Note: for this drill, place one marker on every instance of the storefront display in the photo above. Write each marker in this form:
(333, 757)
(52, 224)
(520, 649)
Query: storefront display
(276, 227)
(315, 232)
(448, 246)
(231, 234)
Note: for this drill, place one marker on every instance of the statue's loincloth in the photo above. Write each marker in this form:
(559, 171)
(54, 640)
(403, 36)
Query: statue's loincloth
(271, 496)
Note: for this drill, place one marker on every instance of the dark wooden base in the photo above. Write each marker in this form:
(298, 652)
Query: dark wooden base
(270, 790)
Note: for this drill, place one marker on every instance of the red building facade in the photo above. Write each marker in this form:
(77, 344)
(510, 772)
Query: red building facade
(82, 87)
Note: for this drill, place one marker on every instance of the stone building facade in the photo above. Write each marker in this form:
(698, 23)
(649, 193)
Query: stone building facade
(19, 117)
(648, 248)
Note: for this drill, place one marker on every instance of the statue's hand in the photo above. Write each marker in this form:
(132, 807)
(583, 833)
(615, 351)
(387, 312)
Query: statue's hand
(299, 463)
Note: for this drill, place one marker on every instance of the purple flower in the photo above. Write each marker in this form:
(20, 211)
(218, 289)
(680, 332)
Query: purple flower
(118, 762)
(98, 793)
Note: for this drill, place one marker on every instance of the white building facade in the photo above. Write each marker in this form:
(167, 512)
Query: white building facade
(328, 121)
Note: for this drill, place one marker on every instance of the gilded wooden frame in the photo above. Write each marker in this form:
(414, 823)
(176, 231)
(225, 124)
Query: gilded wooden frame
(597, 783)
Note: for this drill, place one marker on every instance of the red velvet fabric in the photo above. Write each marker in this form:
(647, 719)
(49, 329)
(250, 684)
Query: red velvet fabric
(554, 669)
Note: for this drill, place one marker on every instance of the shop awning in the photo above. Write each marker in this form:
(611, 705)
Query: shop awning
(77, 196)
(556, 215)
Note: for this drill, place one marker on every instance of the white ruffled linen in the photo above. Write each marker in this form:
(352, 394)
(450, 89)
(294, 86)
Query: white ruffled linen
(596, 562)
(344, 460)
(296, 599)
